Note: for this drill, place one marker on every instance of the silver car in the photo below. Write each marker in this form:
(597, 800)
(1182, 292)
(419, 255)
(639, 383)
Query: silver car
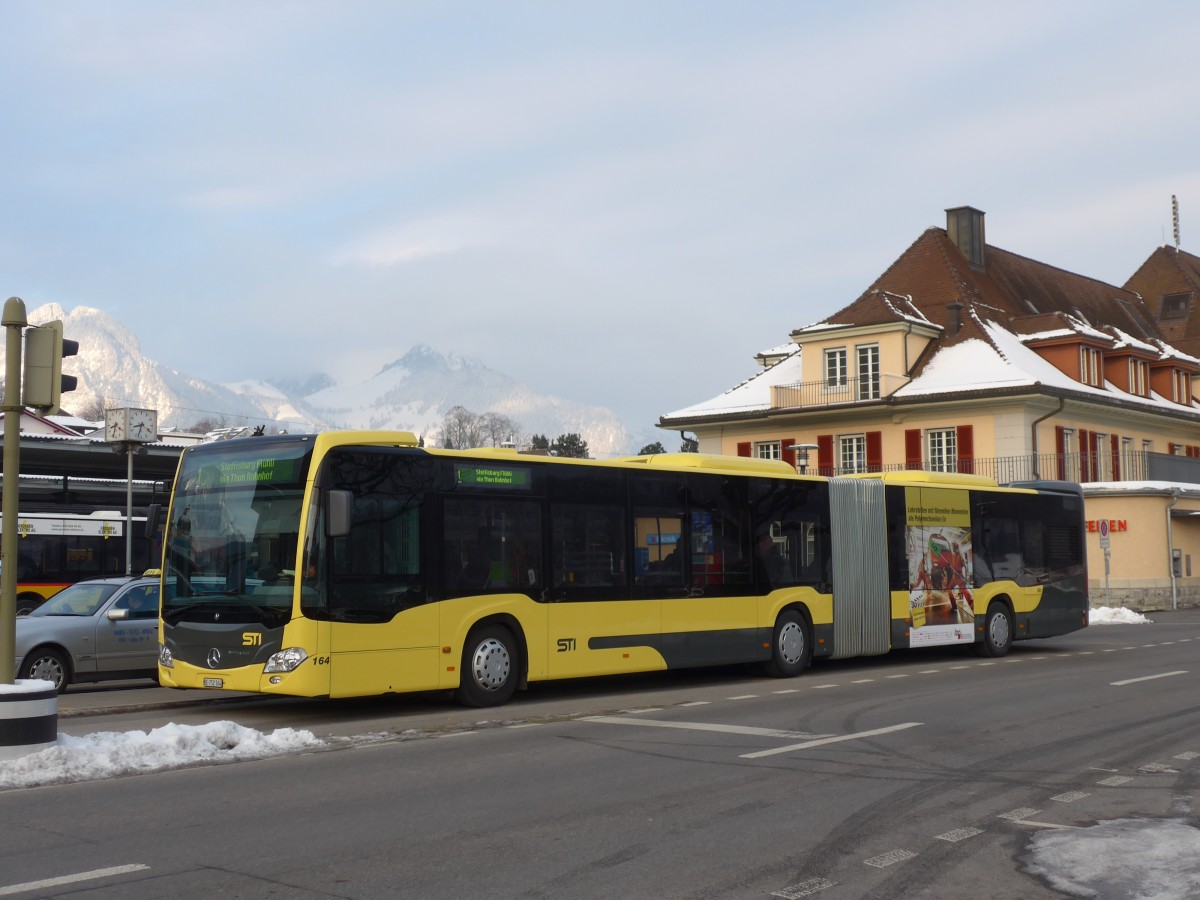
(104, 628)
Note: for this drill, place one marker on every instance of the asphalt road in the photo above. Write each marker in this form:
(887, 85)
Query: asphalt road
(922, 774)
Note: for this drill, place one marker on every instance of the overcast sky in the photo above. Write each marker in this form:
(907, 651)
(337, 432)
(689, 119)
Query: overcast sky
(616, 202)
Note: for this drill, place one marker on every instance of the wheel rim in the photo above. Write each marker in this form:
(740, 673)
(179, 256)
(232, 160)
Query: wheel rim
(48, 668)
(999, 630)
(491, 665)
(791, 643)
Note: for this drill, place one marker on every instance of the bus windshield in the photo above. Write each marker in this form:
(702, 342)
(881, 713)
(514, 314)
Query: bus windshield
(231, 542)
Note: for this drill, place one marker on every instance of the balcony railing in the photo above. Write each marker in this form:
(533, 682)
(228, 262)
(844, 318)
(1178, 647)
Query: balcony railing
(833, 393)
(1134, 466)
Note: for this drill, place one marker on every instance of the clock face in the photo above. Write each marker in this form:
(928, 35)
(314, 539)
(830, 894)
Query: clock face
(114, 424)
(143, 425)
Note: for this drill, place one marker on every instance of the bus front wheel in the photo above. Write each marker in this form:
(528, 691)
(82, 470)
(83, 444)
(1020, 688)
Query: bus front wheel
(489, 668)
(997, 632)
(791, 646)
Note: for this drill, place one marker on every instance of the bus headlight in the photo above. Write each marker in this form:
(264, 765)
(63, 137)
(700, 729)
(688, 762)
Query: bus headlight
(164, 657)
(285, 660)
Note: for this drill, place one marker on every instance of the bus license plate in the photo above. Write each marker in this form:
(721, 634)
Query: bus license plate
(214, 682)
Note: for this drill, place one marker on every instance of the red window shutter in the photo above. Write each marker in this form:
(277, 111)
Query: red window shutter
(743, 448)
(966, 449)
(1171, 448)
(789, 451)
(824, 454)
(1115, 443)
(874, 451)
(912, 448)
(1085, 456)
(1060, 450)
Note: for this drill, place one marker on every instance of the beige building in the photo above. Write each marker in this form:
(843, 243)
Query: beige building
(963, 357)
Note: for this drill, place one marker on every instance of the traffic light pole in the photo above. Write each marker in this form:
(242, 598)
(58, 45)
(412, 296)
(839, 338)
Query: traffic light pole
(14, 322)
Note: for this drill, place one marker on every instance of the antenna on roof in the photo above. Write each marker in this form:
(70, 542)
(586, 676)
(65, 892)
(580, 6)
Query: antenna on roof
(1175, 220)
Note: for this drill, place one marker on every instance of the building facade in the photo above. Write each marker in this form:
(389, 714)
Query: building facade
(964, 357)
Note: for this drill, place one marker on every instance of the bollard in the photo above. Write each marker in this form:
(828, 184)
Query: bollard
(28, 717)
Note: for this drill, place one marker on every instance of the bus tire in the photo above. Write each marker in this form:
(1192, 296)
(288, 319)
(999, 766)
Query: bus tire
(490, 668)
(47, 664)
(27, 603)
(791, 645)
(997, 632)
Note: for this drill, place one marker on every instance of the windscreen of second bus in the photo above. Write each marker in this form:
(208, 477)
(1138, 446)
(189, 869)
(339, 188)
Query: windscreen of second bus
(233, 536)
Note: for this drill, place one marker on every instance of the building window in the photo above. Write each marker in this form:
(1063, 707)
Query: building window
(941, 449)
(852, 453)
(835, 367)
(1089, 366)
(1102, 462)
(1069, 464)
(768, 450)
(1175, 306)
(1138, 373)
(1182, 386)
(868, 372)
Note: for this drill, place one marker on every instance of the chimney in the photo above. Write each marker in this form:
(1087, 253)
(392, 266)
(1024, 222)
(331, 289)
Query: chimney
(956, 317)
(964, 226)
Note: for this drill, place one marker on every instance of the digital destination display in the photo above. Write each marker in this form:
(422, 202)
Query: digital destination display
(504, 477)
(257, 471)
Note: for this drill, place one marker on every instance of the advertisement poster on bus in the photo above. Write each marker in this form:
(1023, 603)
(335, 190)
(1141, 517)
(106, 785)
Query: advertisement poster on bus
(940, 569)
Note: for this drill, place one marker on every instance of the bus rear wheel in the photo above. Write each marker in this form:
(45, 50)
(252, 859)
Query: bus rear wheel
(489, 668)
(791, 646)
(997, 632)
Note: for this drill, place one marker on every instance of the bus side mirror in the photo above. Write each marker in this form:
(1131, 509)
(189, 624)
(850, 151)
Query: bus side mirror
(153, 511)
(339, 510)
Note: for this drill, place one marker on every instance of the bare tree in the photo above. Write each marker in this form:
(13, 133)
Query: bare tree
(461, 429)
(499, 429)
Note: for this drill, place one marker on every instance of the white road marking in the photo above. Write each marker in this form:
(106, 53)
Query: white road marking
(804, 888)
(959, 834)
(1070, 796)
(71, 879)
(743, 697)
(697, 703)
(1115, 780)
(830, 740)
(1147, 678)
(702, 726)
(1190, 754)
(890, 859)
(787, 691)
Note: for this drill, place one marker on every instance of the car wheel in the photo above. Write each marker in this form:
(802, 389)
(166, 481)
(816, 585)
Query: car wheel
(489, 668)
(791, 646)
(48, 665)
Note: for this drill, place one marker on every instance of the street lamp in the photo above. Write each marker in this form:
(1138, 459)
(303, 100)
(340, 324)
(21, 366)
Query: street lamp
(801, 451)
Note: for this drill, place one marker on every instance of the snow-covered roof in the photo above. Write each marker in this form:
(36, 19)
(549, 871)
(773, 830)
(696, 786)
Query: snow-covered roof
(751, 395)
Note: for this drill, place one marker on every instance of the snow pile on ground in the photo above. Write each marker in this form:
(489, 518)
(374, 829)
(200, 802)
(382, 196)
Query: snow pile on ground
(109, 753)
(1114, 615)
(1148, 859)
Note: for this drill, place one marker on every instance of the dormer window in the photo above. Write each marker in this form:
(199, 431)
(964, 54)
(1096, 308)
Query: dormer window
(1175, 306)
(1089, 366)
(1139, 374)
(1181, 385)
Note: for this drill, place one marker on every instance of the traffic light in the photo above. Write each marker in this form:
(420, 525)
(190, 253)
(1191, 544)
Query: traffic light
(44, 380)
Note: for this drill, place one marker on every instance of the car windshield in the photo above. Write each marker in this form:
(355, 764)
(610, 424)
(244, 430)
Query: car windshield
(234, 530)
(82, 599)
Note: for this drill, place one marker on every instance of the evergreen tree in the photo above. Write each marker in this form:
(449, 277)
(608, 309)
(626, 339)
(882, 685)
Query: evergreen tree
(656, 447)
(689, 445)
(570, 445)
(539, 442)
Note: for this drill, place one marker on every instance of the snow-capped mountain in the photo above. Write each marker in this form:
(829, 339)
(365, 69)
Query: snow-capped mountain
(414, 393)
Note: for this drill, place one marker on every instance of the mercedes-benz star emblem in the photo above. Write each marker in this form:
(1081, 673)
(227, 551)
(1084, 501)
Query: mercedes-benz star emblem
(214, 658)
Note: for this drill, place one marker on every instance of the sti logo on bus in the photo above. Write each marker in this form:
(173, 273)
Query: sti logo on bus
(251, 639)
(565, 644)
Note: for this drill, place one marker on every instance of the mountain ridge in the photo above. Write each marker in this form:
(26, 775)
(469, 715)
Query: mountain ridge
(412, 393)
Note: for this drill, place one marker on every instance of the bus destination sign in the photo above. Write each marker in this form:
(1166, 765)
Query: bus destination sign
(503, 477)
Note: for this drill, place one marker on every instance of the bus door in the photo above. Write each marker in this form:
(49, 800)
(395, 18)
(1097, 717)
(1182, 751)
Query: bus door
(604, 606)
(383, 629)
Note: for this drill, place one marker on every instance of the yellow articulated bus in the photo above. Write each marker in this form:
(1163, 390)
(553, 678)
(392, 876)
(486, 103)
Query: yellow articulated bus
(358, 563)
